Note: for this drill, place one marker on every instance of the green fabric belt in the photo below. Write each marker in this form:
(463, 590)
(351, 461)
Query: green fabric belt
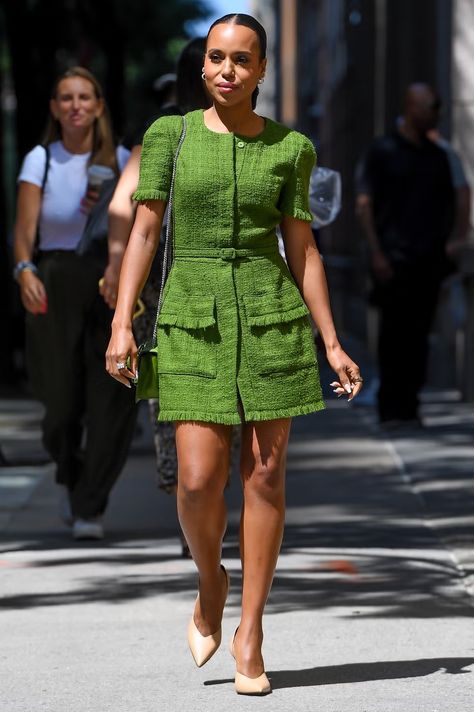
(226, 253)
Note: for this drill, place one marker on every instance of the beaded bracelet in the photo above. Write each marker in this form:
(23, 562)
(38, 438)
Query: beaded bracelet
(24, 266)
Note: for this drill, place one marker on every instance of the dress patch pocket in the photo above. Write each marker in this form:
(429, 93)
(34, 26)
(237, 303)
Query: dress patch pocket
(188, 336)
(279, 336)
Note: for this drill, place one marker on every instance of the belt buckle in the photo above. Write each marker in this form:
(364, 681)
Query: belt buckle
(228, 253)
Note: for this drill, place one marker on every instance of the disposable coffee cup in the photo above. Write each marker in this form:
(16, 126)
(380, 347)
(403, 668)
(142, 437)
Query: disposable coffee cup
(96, 175)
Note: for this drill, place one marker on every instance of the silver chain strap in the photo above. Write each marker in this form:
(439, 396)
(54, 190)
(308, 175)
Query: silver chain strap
(168, 249)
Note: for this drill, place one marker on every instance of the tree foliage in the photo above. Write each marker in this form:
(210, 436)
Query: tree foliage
(126, 44)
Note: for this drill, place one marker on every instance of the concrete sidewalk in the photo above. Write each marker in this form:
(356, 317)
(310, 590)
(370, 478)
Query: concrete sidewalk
(370, 611)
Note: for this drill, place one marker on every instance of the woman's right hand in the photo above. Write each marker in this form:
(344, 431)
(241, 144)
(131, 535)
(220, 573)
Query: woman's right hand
(122, 350)
(33, 293)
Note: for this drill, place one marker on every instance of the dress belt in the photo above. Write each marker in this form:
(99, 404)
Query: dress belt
(225, 253)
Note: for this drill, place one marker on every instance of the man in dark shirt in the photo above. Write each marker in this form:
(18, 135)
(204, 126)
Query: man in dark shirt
(406, 206)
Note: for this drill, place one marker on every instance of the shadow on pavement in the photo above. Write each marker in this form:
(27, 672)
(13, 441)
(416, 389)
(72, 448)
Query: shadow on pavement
(369, 584)
(355, 540)
(362, 672)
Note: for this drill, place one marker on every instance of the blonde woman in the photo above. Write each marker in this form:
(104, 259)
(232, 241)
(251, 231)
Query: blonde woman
(68, 321)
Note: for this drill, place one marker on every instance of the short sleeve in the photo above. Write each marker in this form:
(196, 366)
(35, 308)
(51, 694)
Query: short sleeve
(122, 154)
(33, 167)
(294, 198)
(159, 146)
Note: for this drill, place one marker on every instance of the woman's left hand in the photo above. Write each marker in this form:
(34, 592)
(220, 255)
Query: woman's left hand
(350, 381)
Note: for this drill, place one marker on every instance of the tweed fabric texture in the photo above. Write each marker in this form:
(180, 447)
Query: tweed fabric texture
(234, 338)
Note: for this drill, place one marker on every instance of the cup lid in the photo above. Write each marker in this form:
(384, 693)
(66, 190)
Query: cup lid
(98, 171)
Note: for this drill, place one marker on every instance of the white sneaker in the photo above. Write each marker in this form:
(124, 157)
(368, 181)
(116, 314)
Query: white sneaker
(88, 528)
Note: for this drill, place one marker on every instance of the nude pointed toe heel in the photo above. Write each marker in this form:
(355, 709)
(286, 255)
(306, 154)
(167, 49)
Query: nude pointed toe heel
(252, 685)
(249, 685)
(203, 647)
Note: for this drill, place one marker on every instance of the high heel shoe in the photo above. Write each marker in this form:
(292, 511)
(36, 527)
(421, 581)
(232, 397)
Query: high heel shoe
(249, 685)
(203, 647)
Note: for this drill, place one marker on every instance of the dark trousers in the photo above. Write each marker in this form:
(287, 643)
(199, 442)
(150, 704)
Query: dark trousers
(90, 418)
(407, 305)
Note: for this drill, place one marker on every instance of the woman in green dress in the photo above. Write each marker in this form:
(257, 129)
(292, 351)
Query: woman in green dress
(235, 341)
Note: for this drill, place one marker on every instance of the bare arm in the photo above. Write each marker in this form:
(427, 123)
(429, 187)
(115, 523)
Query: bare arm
(136, 265)
(33, 293)
(121, 214)
(380, 263)
(307, 269)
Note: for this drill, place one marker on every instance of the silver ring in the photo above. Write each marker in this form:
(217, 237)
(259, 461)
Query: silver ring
(120, 365)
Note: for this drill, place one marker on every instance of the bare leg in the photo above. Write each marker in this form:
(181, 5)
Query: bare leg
(203, 467)
(263, 461)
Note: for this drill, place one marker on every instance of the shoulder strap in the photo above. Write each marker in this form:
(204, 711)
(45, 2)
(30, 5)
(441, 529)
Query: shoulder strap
(43, 184)
(168, 251)
(46, 167)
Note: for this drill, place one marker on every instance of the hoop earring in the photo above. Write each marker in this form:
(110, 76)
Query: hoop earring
(203, 75)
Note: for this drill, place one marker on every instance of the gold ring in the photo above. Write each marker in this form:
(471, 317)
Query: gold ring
(358, 380)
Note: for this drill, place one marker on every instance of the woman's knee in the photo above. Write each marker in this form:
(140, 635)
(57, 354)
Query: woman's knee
(203, 460)
(196, 484)
(265, 481)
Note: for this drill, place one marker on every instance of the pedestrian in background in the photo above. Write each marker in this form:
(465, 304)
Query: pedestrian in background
(89, 420)
(405, 203)
(235, 343)
(188, 94)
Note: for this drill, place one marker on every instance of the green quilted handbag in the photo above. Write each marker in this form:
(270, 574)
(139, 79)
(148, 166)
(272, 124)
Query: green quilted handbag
(147, 362)
(147, 380)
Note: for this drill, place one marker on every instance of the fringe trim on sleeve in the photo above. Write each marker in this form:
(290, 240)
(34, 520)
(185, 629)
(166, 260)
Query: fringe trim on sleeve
(141, 196)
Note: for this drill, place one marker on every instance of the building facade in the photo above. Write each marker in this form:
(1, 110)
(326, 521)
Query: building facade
(342, 67)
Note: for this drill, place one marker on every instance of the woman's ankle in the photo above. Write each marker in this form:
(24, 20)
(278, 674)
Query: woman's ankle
(249, 638)
(248, 651)
(210, 604)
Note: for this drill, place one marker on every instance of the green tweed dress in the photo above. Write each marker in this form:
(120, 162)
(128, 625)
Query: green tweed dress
(234, 338)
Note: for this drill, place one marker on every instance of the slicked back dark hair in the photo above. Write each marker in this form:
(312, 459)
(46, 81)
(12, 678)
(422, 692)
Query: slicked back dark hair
(239, 18)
